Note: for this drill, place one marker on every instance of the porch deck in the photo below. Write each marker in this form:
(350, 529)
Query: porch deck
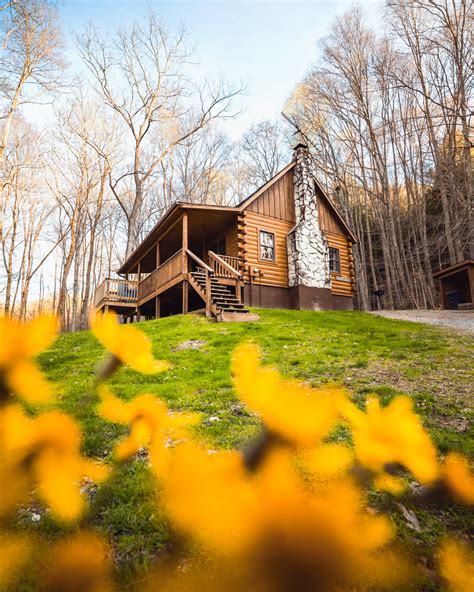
(131, 294)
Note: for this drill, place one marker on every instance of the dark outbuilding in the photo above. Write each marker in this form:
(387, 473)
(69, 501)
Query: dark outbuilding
(456, 285)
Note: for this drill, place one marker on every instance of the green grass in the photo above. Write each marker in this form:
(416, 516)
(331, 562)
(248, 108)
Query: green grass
(360, 351)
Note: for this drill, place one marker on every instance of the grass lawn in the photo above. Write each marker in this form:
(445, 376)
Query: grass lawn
(366, 354)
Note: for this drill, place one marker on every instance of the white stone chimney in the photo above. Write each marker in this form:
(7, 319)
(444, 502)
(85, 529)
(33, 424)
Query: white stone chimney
(308, 253)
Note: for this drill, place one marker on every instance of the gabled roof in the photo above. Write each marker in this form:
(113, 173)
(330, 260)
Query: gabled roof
(144, 246)
(251, 198)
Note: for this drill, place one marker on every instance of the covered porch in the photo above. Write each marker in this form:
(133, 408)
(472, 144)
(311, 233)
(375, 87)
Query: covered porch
(159, 273)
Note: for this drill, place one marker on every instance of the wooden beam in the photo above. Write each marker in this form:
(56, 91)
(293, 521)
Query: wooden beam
(157, 308)
(157, 261)
(208, 294)
(185, 242)
(185, 296)
(470, 272)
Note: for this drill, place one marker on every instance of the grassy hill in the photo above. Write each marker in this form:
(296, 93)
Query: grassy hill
(364, 353)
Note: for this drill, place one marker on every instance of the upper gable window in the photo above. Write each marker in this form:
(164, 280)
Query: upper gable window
(334, 260)
(267, 245)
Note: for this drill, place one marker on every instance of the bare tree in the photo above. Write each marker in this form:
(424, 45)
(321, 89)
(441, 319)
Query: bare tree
(387, 120)
(31, 58)
(140, 75)
(265, 149)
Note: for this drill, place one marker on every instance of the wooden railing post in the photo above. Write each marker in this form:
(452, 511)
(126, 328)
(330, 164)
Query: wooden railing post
(238, 293)
(208, 294)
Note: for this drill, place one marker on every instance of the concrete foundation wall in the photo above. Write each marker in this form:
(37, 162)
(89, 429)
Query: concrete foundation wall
(296, 298)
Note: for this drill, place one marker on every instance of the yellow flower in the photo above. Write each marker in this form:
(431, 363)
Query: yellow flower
(456, 564)
(274, 527)
(207, 496)
(392, 435)
(14, 551)
(126, 343)
(43, 454)
(80, 563)
(458, 477)
(149, 418)
(328, 461)
(19, 343)
(297, 413)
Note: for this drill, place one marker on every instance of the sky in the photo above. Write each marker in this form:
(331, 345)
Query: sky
(268, 45)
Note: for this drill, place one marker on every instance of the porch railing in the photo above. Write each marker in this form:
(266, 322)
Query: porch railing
(165, 273)
(116, 290)
(227, 267)
(221, 264)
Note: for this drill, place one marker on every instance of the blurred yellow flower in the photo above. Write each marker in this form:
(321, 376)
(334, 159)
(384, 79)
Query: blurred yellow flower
(80, 563)
(149, 418)
(208, 496)
(328, 461)
(456, 565)
(43, 454)
(458, 477)
(19, 343)
(297, 413)
(128, 344)
(14, 552)
(273, 526)
(391, 435)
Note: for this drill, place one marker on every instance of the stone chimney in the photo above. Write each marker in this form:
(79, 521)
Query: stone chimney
(308, 253)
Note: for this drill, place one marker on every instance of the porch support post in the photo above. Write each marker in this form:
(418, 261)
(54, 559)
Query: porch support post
(139, 271)
(470, 272)
(208, 294)
(238, 293)
(185, 296)
(138, 314)
(157, 307)
(185, 243)
(157, 263)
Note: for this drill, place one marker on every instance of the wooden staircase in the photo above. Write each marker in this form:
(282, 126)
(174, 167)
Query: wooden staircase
(224, 305)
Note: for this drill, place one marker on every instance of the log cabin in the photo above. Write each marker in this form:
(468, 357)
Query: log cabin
(284, 246)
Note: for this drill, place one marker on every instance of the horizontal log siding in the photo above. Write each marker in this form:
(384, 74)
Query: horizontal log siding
(341, 242)
(277, 201)
(274, 273)
(232, 242)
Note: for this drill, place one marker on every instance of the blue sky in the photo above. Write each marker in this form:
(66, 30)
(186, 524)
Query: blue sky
(267, 44)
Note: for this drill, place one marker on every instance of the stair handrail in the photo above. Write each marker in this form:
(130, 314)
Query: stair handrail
(237, 275)
(200, 262)
(208, 271)
(225, 265)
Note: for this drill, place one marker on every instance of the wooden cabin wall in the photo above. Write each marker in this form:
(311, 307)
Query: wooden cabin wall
(339, 287)
(232, 241)
(328, 221)
(273, 211)
(277, 201)
(274, 273)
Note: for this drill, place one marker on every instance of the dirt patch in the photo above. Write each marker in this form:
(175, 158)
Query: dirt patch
(191, 344)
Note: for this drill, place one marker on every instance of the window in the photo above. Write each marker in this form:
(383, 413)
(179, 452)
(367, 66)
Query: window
(267, 245)
(334, 260)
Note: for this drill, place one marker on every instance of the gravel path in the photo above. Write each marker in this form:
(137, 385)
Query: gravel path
(460, 321)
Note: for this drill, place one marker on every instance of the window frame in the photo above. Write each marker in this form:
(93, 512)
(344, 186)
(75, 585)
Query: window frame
(337, 260)
(273, 234)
